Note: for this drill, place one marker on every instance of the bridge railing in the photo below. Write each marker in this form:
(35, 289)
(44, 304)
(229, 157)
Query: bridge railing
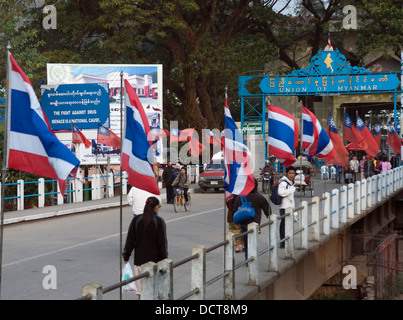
(100, 186)
(312, 220)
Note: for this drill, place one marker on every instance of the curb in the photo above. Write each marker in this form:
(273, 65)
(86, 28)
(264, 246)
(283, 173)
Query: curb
(86, 208)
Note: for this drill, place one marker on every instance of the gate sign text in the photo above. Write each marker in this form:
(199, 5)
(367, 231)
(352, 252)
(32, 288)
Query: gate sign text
(85, 105)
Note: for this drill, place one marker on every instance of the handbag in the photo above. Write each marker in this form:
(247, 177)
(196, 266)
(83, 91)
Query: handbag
(244, 212)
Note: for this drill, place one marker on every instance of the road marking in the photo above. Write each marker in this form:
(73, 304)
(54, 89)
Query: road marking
(99, 239)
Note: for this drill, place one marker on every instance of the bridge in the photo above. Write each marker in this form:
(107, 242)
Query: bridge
(317, 247)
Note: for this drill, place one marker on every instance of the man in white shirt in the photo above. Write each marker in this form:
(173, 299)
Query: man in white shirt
(137, 199)
(354, 167)
(286, 190)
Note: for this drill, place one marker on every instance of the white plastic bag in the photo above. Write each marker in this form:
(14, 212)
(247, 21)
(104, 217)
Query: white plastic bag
(127, 273)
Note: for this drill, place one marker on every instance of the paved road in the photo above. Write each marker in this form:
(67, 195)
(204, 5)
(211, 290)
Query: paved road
(84, 248)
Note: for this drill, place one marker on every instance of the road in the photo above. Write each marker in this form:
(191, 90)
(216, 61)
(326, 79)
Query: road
(84, 248)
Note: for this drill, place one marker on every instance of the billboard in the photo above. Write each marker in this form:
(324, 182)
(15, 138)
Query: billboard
(84, 104)
(146, 80)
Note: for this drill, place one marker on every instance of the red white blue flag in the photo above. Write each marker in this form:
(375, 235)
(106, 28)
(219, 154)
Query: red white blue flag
(377, 136)
(283, 135)
(79, 137)
(238, 177)
(314, 138)
(341, 153)
(393, 140)
(32, 146)
(107, 137)
(137, 151)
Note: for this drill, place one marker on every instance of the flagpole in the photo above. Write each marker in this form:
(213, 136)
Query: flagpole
(121, 182)
(5, 155)
(225, 194)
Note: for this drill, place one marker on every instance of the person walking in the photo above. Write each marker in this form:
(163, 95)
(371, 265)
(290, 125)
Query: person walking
(369, 168)
(259, 204)
(385, 164)
(166, 174)
(354, 167)
(362, 163)
(233, 228)
(147, 236)
(286, 190)
(136, 198)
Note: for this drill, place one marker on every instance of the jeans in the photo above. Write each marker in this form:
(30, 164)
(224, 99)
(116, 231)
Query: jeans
(282, 228)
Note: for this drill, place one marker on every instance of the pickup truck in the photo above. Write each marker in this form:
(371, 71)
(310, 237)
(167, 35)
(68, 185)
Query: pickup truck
(212, 176)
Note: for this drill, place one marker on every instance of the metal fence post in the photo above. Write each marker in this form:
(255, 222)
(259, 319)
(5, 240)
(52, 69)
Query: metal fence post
(164, 280)
(123, 181)
(326, 214)
(304, 225)
(60, 199)
(273, 234)
(41, 192)
(315, 218)
(369, 192)
(93, 290)
(253, 265)
(350, 200)
(20, 194)
(335, 209)
(78, 190)
(343, 204)
(289, 233)
(110, 190)
(96, 187)
(229, 266)
(357, 197)
(148, 291)
(198, 273)
(363, 195)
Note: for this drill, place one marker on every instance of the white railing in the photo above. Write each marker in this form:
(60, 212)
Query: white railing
(101, 186)
(330, 211)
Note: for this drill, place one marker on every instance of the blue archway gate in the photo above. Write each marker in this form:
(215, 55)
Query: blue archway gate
(328, 73)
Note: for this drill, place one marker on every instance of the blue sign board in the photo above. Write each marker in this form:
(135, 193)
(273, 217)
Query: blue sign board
(85, 105)
(328, 73)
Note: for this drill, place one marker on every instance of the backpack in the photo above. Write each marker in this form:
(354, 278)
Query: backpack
(275, 197)
(244, 212)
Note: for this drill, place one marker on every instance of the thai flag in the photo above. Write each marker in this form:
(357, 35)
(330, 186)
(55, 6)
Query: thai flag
(136, 149)
(107, 137)
(283, 135)
(377, 136)
(238, 177)
(32, 146)
(314, 137)
(79, 137)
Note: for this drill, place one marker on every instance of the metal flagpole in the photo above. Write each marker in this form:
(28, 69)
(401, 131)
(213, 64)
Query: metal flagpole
(121, 182)
(225, 191)
(5, 155)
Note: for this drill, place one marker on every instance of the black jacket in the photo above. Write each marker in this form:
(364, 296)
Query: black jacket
(166, 175)
(258, 202)
(149, 245)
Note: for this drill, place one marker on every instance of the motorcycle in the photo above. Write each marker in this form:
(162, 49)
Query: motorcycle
(265, 182)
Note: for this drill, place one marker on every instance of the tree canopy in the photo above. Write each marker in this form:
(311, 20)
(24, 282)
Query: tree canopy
(203, 45)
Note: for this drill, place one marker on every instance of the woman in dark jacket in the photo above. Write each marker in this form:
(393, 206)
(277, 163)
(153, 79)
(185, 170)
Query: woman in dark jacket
(259, 203)
(147, 236)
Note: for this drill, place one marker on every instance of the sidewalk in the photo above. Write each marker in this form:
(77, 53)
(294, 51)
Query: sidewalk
(71, 208)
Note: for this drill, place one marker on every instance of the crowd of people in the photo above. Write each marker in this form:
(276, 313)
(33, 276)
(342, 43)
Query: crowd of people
(365, 168)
